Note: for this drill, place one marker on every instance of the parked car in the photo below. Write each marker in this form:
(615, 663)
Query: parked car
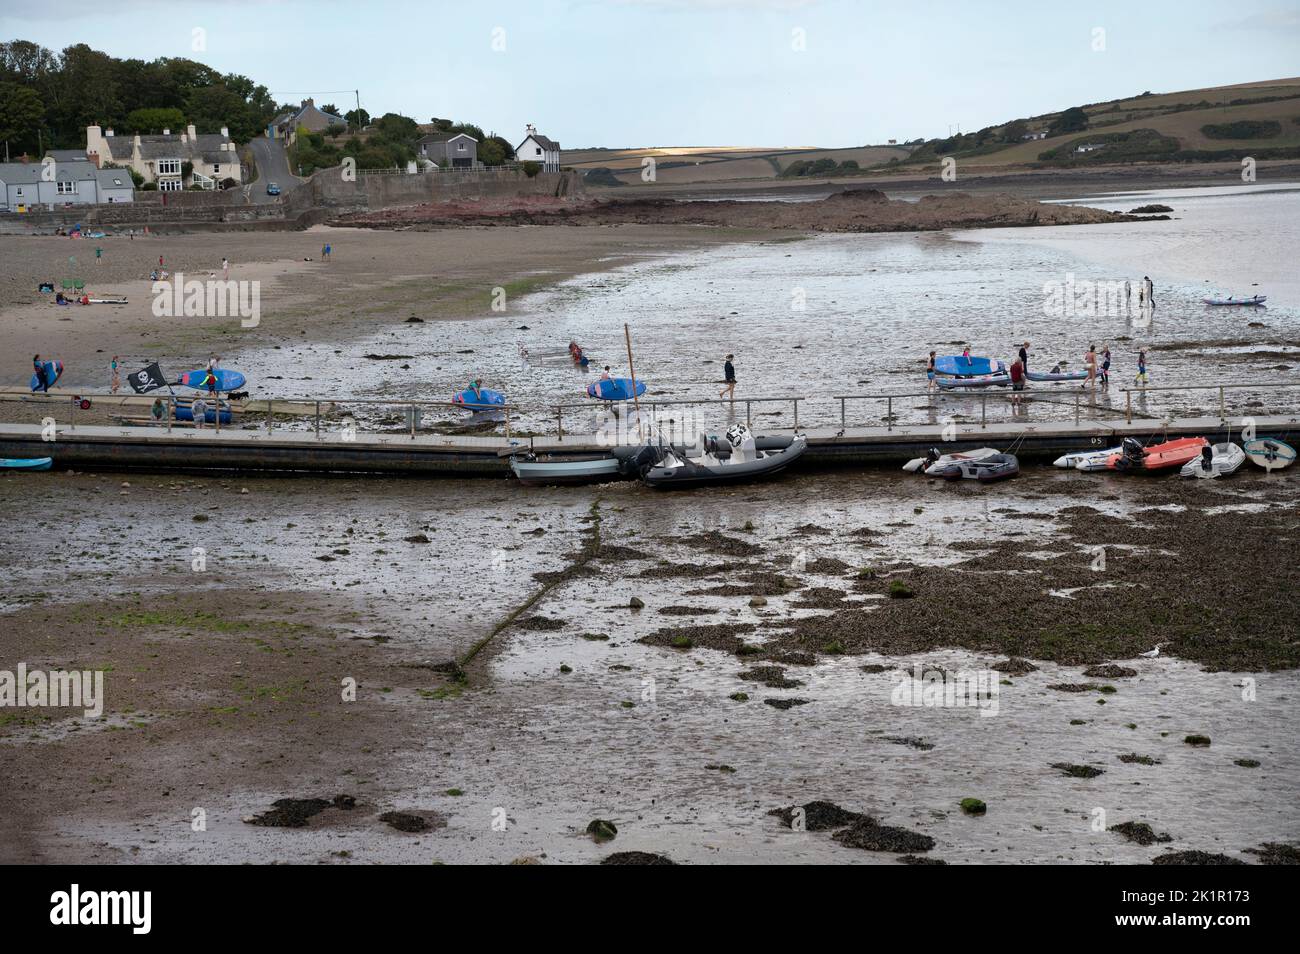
(272, 189)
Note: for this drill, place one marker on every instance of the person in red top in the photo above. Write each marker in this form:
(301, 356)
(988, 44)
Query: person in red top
(1017, 382)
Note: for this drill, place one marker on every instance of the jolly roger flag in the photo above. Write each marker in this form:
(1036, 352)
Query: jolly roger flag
(147, 379)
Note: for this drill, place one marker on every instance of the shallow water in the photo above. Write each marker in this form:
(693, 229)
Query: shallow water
(856, 314)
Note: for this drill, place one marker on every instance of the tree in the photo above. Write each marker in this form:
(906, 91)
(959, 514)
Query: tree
(330, 108)
(357, 118)
(1073, 119)
(154, 120)
(21, 111)
(1015, 130)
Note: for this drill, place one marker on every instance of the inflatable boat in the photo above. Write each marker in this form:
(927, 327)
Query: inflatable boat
(710, 461)
(934, 462)
(984, 469)
(1133, 456)
(983, 381)
(1085, 460)
(1221, 460)
(1056, 375)
(565, 470)
(1253, 300)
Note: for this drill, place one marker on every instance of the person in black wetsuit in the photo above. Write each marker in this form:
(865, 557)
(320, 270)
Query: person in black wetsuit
(729, 378)
(1024, 356)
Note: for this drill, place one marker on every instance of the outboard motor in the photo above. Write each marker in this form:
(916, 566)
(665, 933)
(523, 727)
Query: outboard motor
(1207, 458)
(642, 460)
(1133, 454)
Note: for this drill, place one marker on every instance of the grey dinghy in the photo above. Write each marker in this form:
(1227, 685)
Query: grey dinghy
(1220, 460)
(984, 469)
(565, 470)
(741, 457)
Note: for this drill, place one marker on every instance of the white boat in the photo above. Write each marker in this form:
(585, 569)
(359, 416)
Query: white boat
(934, 462)
(1071, 461)
(1097, 460)
(1253, 300)
(1218, 460)
(564, 470)
(984, 469)
(1269, 453)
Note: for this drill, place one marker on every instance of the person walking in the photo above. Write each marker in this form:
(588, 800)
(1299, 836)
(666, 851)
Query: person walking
(930, 373)
(1105, 366)
(99, 254)
(199, 411)
(225, 269)
(1151, 290)
(1090, 363)
(115, 375)
(729, 378)
(1141, 376)
(325, 252)
(41, 383)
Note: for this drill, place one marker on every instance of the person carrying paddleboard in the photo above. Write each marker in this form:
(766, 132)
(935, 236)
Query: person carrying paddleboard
(43, 385)
(729, 378)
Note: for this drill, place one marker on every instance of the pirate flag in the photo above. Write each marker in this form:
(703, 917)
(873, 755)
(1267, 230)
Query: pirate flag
(147, 379)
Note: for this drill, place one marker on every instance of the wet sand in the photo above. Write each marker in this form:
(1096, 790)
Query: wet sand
(224, 688)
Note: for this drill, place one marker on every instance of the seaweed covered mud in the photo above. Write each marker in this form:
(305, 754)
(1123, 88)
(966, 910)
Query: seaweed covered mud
(837, 667)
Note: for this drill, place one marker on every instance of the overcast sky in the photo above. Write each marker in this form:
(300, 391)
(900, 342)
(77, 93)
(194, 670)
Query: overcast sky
(697, 72)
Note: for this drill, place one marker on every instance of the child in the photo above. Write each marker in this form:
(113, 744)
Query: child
(729, 378)
(929, 373)
(1105, 366)
(1141, 376)
(115, 372)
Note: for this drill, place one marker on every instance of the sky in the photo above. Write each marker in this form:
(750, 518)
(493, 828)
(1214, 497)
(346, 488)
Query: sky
(639, 73)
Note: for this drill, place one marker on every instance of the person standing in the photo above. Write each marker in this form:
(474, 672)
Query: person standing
(325, 252)
(99, 254)
(199, 411)
(1141, 376)
(115, 375)
(930, 373)
(1017, 382)
(1105, 366)
(729, 378)
(225, 269)
(1090, 363)
(1151, 290)
(1024, 357)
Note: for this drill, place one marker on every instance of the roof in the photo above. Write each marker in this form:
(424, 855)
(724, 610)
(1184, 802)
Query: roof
(66, 155)
(294, 114)
(29, 173)
(443, 137)
(114, 179)
(543, 141)
(171, 147)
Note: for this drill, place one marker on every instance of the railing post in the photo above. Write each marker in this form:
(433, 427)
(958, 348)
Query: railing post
(796, 415)
(270, 417)
(889, 413)
(747, 421)
(1128, 406)
(318, 420)
(1076, 409)
(1223, 415)
(171, 411)
(218, 412)
(559, 423)
(507, 422)
(412, 420)
(842, 424)
(984, 408)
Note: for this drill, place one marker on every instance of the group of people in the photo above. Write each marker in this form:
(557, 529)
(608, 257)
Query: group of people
(1096, 364)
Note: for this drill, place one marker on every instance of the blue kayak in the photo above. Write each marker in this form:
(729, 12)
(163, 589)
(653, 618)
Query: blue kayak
(956, 365)
(26, 463)
(226, 380)
(485, 398)
(615, 389)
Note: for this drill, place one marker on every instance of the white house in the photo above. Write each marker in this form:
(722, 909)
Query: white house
(30, 185)
(213, 156)
(538, 148)
(1089, 147)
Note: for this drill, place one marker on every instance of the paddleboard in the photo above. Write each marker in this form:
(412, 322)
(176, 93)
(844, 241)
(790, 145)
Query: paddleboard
(186, 413)
(1269, 453)
(615, 389)
(53, 371)
(476, 402)
(25, 463)
(226, 380)
(957, 365)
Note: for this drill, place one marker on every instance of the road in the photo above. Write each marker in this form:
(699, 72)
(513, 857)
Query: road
(272, 166)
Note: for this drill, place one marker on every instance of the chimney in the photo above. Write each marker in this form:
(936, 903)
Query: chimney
(109, 133)
(190, 129)
(532, 130)
(225, 132)
(309, 102)
(93, 157)
(167, 132)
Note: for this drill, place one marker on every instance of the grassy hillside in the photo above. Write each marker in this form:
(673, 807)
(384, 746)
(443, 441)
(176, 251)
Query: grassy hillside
(1144, 128)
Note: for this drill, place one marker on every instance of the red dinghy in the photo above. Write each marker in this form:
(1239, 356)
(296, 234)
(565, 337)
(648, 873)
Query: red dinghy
(1158, 456)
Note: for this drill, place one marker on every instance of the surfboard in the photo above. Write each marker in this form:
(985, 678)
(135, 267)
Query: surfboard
(226, 380)
(53, 371)
(615, 389)
(1269, 453)
(957, 365)
(485, 396)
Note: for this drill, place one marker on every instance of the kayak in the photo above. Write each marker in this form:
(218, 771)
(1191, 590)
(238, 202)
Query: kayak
(485, 398)
(1134, 456)
(934, 462)
(1269, 453)
(1056, 375)
(1253, 300)
(961, 366)
(1220, 460)
(984, 469)
(615, 389)
(1079, 459)
(983, 381)
(581, 470)
(26, 463)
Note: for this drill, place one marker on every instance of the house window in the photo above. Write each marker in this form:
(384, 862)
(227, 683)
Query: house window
(67, 188)
(169, 167)
(539, 150)
(460, 147)
(216, 170)
(169, 185)
(20, 190)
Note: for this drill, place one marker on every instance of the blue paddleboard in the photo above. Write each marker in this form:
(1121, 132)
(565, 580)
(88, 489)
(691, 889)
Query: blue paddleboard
(476, 402)
(616, 389)
(226, 380)
(53, 371)
(956, 364)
